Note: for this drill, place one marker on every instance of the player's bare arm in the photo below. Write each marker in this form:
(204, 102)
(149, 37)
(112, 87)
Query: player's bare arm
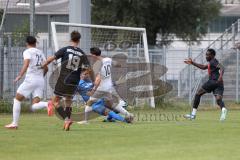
(96, 84)
(190, 61)
(23, 70)
(48, 61)
(45, 70)
(221, 70)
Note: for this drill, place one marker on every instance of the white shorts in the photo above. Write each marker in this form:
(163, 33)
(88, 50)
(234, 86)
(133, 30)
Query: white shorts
(109, 94)
(33, 86)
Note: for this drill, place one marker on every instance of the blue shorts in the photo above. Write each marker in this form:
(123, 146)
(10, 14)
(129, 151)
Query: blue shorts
(99, 107)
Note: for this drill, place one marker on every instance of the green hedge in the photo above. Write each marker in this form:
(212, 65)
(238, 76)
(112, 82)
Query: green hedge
(6, 107)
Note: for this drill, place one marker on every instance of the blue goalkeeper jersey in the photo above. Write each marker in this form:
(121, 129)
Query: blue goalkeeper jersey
(85, 86)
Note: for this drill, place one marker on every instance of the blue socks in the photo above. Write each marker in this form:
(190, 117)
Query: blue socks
(116, 116)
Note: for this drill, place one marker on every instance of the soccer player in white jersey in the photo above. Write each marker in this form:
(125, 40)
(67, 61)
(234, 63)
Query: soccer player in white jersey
(103, 86)
(33, 82)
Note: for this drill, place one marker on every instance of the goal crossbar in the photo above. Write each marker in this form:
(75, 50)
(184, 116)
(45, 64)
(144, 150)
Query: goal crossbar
(142, 30)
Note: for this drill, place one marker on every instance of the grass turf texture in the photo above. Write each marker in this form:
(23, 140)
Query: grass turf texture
(42, 138)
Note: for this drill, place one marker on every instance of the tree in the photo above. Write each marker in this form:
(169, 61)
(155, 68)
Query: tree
(20, 32)
(185, 19)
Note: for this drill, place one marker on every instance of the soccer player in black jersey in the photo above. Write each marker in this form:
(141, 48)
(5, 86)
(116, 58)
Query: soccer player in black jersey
(214, 84)
(73, 59)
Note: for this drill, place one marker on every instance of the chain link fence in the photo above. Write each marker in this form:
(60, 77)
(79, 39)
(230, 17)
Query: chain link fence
(226, 46)
(11, 61)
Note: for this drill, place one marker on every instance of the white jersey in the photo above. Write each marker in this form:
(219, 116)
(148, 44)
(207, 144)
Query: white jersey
(36, 58)
(105, 73)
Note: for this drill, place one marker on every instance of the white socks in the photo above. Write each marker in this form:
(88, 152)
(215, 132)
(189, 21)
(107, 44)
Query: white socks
(16, 111)
(87, 110)
(39, 105)
(194, 111)
(224, 109)
(121, 110)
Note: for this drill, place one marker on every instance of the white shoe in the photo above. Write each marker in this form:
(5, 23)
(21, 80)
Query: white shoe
(129, 118)
(223, 115)
(189, 116)
(82, 122)
(11, 126)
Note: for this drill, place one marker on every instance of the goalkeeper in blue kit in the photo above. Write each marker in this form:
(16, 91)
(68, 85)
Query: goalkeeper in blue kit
(85, 86)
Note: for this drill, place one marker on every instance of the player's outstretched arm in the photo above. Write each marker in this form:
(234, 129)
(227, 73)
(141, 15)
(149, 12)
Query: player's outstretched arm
(48, 61)
(190, 61)
(23, 70)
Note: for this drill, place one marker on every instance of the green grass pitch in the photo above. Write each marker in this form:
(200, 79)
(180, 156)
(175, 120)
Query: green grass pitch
(41, 138)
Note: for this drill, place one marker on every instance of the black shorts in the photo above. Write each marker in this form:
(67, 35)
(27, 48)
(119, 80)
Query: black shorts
(213, 86)
(66, 87)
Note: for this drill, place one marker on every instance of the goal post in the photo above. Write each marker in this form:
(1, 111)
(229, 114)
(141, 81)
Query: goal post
(112, 40)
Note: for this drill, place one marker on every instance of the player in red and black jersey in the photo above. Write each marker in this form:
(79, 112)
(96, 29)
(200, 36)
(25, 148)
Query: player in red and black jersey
(73, 59)
(214, 84)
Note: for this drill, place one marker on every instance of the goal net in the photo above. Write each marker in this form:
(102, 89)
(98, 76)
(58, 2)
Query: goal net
(126, 45)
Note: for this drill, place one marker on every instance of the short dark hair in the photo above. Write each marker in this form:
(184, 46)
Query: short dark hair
(75, 36)
(212, 51)
(31, 40)
(95, 51)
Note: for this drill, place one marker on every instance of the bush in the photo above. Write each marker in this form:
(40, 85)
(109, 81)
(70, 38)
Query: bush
(6, 107)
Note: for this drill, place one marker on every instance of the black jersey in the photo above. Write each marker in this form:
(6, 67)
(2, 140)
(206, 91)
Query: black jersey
(213, 69)
(73, 59)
